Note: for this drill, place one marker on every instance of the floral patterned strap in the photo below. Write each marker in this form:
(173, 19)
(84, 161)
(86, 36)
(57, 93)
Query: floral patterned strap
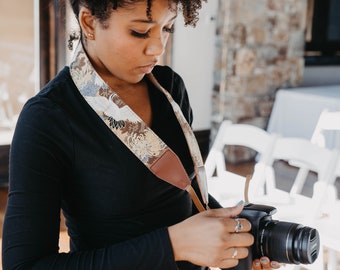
(191, 141)
(130, 128)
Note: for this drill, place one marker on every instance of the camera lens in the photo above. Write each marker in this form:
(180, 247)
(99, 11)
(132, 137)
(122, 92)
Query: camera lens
(288, 242)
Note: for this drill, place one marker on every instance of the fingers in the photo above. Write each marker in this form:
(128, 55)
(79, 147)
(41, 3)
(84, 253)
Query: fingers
(225, 212)
(275, 265)
(241, 225)
(237, 253)
(262, 263)
(232, 257)
(213, 238)
(265, 263)
(237, 232)
(236, 225)
(240, 240)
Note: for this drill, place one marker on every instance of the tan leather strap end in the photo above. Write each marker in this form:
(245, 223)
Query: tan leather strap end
(246, 188)
(169, 168)
(195, 198)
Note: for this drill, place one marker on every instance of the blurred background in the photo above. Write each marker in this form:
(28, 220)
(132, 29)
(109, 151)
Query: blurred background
(241, 53)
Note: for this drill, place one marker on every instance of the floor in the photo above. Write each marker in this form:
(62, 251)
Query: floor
(283, 172)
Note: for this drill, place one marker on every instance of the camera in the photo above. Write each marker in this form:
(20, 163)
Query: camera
(280, 241)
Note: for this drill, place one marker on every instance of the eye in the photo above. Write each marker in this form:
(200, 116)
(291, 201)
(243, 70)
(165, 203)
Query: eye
(170, 29)
(139, 34)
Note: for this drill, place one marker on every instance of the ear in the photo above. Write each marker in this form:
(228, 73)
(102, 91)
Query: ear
(87, 21)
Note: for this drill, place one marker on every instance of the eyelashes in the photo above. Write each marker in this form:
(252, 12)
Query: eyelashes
(169, 30)
(140, 35)
(137, 34)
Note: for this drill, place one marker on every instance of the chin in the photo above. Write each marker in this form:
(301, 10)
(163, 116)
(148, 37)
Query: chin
(139, 78)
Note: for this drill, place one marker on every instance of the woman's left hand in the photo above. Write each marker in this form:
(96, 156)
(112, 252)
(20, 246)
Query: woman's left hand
(265, 263)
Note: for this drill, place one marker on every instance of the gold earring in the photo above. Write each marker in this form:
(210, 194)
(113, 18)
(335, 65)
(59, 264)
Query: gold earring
(90, 36)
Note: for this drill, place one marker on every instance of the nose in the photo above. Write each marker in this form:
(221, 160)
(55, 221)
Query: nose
(156, 46)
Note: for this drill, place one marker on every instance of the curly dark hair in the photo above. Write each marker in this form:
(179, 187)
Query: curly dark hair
(102, 8)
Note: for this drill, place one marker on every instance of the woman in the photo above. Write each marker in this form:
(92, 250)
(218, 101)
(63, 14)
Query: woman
(65, 155)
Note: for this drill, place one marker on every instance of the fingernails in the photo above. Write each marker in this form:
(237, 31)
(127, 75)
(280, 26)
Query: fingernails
(264, 261)
(257, 263)
(274, 264)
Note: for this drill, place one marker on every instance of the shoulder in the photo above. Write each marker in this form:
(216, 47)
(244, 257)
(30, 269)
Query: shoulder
(57, 93)
(61, 82)
(49, 104)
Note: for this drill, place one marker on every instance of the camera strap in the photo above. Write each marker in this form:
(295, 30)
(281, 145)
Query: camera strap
(135, 133)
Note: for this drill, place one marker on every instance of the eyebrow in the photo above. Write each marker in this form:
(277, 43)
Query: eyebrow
(148, 21)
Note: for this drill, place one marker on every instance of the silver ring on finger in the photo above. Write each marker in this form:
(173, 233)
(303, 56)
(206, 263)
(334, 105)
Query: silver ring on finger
(238, 226)
(235, 252)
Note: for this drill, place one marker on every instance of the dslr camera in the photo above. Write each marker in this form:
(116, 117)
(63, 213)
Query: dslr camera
(284, 242)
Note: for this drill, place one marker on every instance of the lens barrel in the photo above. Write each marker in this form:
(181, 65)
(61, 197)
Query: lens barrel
(287, 242)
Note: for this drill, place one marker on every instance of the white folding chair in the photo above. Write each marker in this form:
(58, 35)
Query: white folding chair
(328, 124)
(328, 121)
(328, 225)
(327, 129)
(227, 187)
(293, 206)
(300, 151)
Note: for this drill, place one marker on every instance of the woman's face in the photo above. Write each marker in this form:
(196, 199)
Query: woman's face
(129, 45)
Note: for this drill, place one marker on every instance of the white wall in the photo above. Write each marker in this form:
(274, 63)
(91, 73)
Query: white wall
(193, 58)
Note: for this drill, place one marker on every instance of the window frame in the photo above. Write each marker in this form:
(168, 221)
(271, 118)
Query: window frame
(319, 50)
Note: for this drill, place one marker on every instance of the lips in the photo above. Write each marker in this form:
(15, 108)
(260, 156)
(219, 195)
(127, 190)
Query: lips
(147, 68)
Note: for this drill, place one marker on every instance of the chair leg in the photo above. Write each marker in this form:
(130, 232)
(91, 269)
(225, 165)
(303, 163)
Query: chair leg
(332, 260)
(299, 181)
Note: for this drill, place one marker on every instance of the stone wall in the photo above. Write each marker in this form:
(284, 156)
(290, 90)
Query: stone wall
(259, 45)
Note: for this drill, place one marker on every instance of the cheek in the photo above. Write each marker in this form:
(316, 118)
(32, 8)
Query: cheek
(119, 49)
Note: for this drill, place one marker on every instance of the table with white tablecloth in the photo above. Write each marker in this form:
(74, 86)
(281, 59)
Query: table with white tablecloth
(296, 111)
(6, 135)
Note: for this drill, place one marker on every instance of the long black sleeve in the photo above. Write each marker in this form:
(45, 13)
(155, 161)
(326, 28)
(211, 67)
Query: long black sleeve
(117, 212)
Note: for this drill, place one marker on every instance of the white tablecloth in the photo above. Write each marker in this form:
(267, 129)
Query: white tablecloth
(6, 136)
(296, 111)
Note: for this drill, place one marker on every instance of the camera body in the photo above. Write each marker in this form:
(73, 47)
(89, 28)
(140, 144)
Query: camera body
(280, 241)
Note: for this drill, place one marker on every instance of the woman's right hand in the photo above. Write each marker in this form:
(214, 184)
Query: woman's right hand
(210, 238)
